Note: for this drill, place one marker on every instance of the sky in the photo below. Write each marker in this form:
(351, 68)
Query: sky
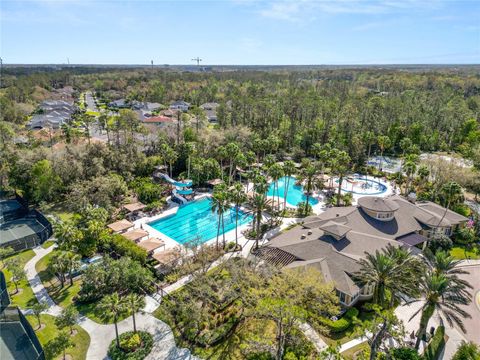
(241, 32)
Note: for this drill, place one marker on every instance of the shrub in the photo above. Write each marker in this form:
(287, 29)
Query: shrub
(142, 339)
(405, 353)
(125, 247)
(351, 313)
(436, 344)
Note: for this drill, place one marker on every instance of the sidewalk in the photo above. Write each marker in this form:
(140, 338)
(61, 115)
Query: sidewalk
(102, 335)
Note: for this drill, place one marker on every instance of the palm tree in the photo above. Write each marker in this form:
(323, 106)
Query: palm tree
(238, 197)
(443, 263)
(134, 302)
(443, 294)
(72, 261)
(370, 139)
(288, 170)
(384, 142)
(190, 150)
(341, 162)
(410, 168)
(259, 204)
(307, 176)
(219, 205)
(393, 270)
(112, 307)
(451, 192)
(275, 172)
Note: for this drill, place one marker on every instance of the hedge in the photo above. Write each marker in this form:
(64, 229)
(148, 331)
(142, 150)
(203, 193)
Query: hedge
(125, 247)
(436, 344)
(342, 324)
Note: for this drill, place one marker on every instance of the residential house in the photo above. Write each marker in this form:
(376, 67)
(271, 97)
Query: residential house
(180, 105)
(119, 104)
(210, 110)
(160, 121)
(335, 240)
(145, 106)
(52, 114)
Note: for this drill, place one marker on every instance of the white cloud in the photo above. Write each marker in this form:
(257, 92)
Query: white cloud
(294, 10)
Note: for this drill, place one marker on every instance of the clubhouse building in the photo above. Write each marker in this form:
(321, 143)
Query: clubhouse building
(335, 240)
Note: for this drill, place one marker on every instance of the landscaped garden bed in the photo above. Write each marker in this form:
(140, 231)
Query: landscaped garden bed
(24, 298)
(133, 346)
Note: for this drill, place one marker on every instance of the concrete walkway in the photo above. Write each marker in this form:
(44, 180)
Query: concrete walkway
(313, 336)
(102, 335)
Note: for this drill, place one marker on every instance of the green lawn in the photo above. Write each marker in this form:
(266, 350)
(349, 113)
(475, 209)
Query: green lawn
(65, 296)
(461, 252)
(81, 339)
(58, 210)
(352, 353)
(93, 113)
(25, 297)
(47, 244)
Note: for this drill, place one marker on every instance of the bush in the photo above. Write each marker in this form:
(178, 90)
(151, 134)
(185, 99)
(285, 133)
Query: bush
(405, 353)
(125, 247)
(342, 324)
(133, 346)
(351, 313)
(436, 344)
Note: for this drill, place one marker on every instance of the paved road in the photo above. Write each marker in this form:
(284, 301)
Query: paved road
(90, 102)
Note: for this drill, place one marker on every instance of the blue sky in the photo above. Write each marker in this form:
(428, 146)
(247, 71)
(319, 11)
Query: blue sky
(240, 31)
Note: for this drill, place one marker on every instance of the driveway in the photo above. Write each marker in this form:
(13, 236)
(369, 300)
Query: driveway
(472, 325)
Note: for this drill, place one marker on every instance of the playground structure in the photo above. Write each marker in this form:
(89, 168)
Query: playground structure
(182, 190)
(361, 185)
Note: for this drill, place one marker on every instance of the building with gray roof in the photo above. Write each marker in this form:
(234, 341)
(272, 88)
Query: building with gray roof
(335, 240)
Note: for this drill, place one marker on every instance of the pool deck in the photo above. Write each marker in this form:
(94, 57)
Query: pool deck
(171, 243)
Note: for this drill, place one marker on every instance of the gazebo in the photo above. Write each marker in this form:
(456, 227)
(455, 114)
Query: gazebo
(120, 226)
(135, 235)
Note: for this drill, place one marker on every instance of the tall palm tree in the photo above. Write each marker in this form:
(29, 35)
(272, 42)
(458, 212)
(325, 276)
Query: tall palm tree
(443, 263)
(410, 168)
(288, 169)
(219, 205)
(259, 204)
(307, 176)
(451, 192)
(275, 172)
(73, 263)
(238, 197)
(112, 307)
(443, 294)
(134, 303)
(384, 142)
(341, 161)
(393, 270)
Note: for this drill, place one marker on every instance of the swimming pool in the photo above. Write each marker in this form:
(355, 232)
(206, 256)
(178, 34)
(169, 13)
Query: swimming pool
(295, 193)
(196, 219)
(362, 186)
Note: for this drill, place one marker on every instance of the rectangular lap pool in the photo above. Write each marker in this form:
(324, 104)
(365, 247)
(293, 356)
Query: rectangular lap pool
(196, 220)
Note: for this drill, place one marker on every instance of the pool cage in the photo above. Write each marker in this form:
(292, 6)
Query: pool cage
(18, 339)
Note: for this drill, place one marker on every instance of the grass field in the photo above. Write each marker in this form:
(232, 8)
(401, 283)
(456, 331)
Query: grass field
(81, 339)
(47, 244)
(354, 352)
(461, 252)
(25, 297)
(58, 210)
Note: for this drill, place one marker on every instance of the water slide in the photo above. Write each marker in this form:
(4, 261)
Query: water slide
(176, 195)
(187, 183)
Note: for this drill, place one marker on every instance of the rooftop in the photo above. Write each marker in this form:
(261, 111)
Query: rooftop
(120, 225)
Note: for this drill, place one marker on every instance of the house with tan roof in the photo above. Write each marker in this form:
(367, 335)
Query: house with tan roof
(335, 240)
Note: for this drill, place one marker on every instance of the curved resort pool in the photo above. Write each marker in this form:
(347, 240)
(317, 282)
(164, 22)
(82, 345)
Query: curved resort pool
(362, 186)
(295, 194)
(196, 219)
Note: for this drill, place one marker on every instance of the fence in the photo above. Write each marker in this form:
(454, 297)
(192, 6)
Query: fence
(11, 315)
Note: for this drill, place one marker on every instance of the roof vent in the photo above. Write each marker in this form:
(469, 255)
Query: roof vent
(303, 236)
(337, 215)
(309, 232)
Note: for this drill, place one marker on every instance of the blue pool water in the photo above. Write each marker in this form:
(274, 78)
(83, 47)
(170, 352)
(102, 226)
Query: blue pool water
(196, 219)
(295, 193)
